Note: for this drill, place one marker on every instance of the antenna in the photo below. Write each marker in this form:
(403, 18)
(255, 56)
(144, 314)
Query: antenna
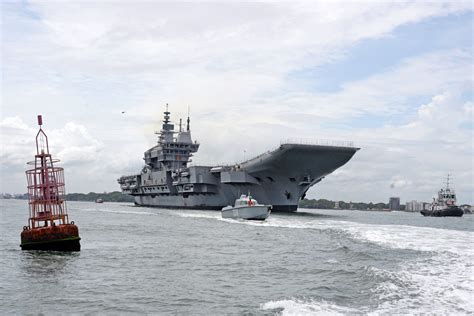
(187, 126)
(447, 182)
(167, 115)
(180, 122)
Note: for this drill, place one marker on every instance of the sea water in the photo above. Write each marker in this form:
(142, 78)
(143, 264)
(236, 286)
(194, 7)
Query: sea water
(138, 260)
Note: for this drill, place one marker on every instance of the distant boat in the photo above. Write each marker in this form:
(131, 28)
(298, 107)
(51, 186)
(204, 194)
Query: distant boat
(444, 204)
(247, 208)
(99, 201)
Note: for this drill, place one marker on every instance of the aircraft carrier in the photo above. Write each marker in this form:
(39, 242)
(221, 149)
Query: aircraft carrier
(280, 177)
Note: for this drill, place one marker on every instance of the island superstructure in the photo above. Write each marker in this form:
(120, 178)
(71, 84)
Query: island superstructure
(280, 177)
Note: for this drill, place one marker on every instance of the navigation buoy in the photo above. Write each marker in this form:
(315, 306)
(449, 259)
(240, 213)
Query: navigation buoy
(48, 225)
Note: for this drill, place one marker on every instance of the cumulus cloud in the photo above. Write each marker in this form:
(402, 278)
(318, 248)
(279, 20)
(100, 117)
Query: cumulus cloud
(14, 123)
(16, 137)
(76, 144)
(412, 160)
(72, 143)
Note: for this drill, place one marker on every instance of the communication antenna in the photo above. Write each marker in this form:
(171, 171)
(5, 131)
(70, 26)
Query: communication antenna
(187, 126)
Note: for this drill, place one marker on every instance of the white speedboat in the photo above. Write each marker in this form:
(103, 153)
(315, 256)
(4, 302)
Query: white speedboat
(247, 208)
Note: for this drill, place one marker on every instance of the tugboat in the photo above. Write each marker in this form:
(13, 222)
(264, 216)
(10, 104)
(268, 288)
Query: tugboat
(48, 226)
(247, 208)
(444, 204)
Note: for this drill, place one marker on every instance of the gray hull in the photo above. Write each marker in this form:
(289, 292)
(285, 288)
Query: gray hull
(279, 178)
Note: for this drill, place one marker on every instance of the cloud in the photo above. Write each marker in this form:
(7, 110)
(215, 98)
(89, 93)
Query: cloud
(159, 40)
(15, 137)
(399, 182)
(386, 93)
(412, 160)
(14, 123)
(72, 144)
(76, 144)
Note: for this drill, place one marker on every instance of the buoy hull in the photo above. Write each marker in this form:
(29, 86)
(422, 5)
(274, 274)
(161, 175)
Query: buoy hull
(57, 238)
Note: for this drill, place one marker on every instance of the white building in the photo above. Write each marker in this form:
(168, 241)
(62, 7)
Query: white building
(414, 206)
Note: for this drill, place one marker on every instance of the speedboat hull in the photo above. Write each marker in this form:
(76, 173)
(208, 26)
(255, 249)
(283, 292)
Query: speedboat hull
(258, 212)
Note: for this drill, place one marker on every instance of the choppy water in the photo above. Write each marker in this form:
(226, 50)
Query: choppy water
(146, 260)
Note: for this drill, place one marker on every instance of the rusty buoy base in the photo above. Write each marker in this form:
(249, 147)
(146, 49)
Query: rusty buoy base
(58, 238)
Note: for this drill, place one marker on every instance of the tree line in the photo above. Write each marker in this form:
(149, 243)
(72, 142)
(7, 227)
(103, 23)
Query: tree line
(328, 204)
(115, 196)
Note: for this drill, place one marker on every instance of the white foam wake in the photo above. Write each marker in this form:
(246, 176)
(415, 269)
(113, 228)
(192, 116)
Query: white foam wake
(442, 281)
(310, 307)
(208, 215)
(114, 211)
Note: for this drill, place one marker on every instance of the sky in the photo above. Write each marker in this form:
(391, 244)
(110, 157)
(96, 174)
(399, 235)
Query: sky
(396, 78)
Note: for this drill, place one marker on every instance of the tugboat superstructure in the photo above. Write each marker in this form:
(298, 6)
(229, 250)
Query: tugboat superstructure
(280, 177)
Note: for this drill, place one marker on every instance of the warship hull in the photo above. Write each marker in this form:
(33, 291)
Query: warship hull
(280, 178)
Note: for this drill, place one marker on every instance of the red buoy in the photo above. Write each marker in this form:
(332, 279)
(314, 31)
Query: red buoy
(48, 226)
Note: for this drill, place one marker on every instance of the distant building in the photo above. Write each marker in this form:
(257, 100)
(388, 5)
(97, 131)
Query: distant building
(336, 205)
(414, 206)
(394, 204)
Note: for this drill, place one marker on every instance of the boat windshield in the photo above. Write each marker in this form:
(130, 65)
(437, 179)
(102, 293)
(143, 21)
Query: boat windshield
(245, 200)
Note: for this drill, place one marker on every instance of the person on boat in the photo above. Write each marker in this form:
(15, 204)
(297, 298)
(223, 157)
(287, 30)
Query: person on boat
(250, 201)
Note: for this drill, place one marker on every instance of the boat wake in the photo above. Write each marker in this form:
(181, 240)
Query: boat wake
(307, 307)
(440, 279)
(210, 215)
(114, 211)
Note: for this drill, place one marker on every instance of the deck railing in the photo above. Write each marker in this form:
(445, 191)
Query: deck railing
(319, 142)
